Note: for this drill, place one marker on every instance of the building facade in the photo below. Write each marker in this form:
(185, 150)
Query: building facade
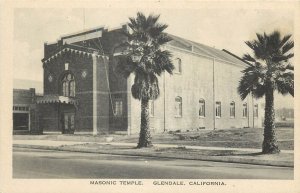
(25, 112)
(84, 94)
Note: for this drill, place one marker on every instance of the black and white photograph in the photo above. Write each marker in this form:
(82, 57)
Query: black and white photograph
(118, 96)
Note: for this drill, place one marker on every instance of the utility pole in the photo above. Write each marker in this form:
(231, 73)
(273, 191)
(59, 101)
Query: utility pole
(164, 88)
(214, 102)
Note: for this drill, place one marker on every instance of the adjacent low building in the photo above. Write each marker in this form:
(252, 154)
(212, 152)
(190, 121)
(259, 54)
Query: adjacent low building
(25, 112)
(84, 94)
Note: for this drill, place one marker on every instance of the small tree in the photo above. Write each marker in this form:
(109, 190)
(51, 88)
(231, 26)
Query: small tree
(269, 70)
(144, 58)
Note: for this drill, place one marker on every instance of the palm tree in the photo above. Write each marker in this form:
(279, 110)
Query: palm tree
(144, 58)
(269, 70)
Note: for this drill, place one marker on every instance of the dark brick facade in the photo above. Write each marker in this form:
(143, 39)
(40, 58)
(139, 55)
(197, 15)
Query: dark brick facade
(98, 88)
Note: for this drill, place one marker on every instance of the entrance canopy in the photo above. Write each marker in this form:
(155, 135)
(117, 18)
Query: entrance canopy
(48, 99)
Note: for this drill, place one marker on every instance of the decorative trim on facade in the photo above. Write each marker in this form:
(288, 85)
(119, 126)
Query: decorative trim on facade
(75, 49)
(48, 99)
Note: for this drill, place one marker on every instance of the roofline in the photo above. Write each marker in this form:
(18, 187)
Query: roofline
(23, 89)
(205, 56)
(121, 26)
(224, 50)
(192, 44)
(82, 32)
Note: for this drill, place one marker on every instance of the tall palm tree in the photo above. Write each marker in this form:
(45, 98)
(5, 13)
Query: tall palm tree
(144, 58)
(269, 70)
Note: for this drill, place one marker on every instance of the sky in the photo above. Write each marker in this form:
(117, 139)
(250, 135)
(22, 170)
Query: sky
(219, 28)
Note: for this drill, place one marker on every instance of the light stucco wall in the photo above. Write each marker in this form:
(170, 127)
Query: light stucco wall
(194, 83)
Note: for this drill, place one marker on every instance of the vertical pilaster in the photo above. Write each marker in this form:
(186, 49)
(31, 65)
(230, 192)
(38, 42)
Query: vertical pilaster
(95, 102)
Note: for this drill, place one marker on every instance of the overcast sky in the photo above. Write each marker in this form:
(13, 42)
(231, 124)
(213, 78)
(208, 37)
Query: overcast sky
(220, 28)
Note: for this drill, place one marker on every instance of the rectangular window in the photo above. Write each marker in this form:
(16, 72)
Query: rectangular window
(178, 107)
(232, 110)
(201, 108)
(151, 108)
(256, 110)
(20, 108)
(245, 110)
(218, 109)
(118, 108)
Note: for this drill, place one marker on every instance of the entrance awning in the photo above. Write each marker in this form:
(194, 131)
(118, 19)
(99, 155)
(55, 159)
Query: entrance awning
(48, 99)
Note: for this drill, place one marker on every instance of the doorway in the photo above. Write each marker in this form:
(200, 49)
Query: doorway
(68, 125)
(20, 121)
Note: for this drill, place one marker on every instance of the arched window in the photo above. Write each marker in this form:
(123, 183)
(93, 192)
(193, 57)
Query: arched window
(245, 110)
(68, 85)
(201, 108)
(232, 109)
(177, 65)
(178, 106)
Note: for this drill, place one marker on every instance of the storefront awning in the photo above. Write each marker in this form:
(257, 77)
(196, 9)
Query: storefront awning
(48, 99)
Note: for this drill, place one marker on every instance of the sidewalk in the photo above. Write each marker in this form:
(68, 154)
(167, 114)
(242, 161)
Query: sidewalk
(220, 154)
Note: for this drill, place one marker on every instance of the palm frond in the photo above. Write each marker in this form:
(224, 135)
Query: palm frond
(250, 44)
(125, 66)
(284, 40)
(162, 62)
(287, 47)
(145, 41)
(289, 67)
(280, 58)
(261, 38)
(152, 19)
(285, 84)
(248, 58)
(252, 81)
(274, 72)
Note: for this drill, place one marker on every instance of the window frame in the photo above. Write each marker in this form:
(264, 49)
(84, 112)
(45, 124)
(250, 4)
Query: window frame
(178, 66)
(178, 112)
(118, 107)
(245, 110)
(255, 111)
(232, 110)
(201, 111)
(68, 85)
(218, 109)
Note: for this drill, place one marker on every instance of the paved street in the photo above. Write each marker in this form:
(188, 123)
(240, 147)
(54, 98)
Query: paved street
(34, 163)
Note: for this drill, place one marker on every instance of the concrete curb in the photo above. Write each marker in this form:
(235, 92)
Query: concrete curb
(163, 155)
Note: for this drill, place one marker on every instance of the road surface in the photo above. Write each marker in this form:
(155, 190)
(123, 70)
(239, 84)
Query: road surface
(34, 163)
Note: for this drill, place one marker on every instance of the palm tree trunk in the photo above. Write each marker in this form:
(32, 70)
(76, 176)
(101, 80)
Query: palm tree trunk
(269, 145)
(145, 136)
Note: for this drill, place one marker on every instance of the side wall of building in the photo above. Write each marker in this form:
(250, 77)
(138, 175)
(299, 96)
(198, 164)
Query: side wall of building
(201, 78)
